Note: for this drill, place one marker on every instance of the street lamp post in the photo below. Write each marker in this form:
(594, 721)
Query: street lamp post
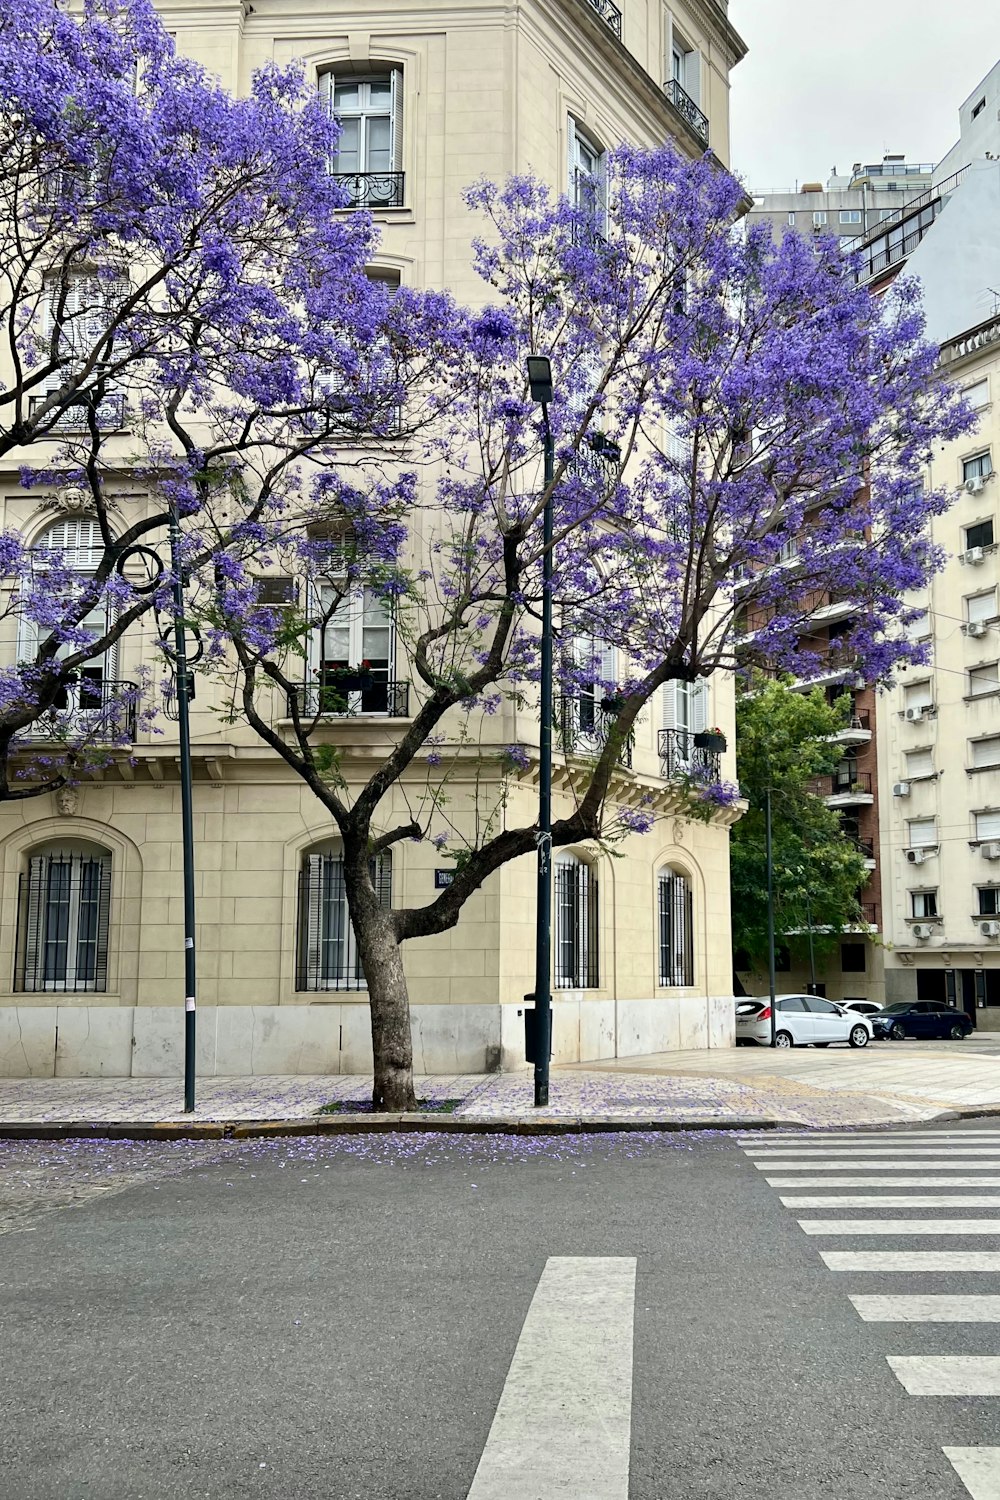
(768, 855)
(540, 385)
(184, 685)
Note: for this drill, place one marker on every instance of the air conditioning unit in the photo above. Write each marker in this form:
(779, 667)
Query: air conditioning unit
(975, 484)
(901, 789)
(990, 929)
(916, 856)
(990, 850)
(915, 714)
(922, 930)
(974, 556)
(976, 627)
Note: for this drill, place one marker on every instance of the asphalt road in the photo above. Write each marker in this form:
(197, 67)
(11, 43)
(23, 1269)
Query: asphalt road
(336, 1319)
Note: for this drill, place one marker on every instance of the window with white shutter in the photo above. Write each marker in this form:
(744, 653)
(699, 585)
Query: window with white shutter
(987, 824)
(586, 184)
(919, 763)
(80, 318)
(922, 833)
(986, 752)
(919, 695)
(984, 679)
(978, 394)
(981, 606)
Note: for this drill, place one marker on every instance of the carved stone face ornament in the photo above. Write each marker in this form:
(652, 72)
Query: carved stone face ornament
(67, 800)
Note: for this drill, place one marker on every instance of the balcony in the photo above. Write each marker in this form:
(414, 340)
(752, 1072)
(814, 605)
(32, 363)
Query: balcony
(76, 418)
(866, 848)
(858, 730)
(847, 789)
(687, 109)
(870, 914)
(834, 612)
(353, 695)
(609, 14)
(373, 190)
(582, 728)
(88, 709)
(680, 758)
(847, 675)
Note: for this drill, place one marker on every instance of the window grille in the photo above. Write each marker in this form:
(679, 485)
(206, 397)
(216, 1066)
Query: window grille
(328, 957)
(676, 907)
(576, 947)
(64, 906)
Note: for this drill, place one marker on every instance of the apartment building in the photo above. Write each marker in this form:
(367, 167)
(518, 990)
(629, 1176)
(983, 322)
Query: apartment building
(848, 204)
(430, 99)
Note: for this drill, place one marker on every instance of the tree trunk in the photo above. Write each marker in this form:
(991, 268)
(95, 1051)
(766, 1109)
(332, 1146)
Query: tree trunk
(382, 961)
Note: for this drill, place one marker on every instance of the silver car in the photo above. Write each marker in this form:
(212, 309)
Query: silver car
(801, 1021)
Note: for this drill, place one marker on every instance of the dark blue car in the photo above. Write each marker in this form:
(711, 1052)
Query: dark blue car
(920, 1018)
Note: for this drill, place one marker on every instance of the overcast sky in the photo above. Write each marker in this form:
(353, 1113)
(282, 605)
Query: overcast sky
(831, 82)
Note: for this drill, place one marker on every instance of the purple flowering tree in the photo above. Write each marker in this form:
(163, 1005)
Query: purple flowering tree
(181, 303)
(722, 403)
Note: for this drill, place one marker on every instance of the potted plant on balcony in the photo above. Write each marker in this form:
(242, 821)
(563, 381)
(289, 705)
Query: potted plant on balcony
(710, 739)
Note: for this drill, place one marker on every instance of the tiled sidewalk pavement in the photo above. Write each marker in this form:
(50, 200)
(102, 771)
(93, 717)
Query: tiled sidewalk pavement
(690, 1089)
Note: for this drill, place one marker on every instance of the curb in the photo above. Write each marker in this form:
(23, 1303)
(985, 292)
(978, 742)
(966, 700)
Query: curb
(433, 1124)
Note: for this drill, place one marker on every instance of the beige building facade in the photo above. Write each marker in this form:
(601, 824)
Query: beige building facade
(940, 752)
(91, 944)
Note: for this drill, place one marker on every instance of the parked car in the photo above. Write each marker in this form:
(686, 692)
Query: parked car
(801, 1021)
(863, 1007)
(921, 1018)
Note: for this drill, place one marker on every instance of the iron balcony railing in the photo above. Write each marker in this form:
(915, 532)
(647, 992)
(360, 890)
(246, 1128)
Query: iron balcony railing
(76, 418)
(582, 727)
(865, 847)
(681, 757)
(352, 695)
(609, 14)
(373, 189)
(870, 913)
(685, 106)
(96, 709)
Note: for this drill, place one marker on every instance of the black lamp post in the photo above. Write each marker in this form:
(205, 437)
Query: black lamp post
(185, 687)
(540, 385)
(768, 855)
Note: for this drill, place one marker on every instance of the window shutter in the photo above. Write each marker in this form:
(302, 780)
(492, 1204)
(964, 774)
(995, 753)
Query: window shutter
(699, 706)
(327, 83)
(669, 701)
(986, 752)
(571, 157)
(987, 825)
(381, 868)
(692, 75)
(311, 918)
(31, 918)
(923, 831)
(919, 763)
(609, 662)
(396, 119)
(982, 606)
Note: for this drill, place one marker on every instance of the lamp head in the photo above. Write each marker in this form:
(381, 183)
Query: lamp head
(540, 378)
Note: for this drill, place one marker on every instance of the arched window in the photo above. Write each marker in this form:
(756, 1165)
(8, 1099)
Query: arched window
(577, 965)
(76, 543)
(64, 905)
(328, 957)
(369, 110)
(676, 911)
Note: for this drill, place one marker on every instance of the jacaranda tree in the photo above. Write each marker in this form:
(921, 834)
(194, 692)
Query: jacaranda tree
(720, 402)
(182, 305)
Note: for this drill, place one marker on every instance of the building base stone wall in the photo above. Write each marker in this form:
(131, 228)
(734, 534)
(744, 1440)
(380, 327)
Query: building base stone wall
(108, 1041)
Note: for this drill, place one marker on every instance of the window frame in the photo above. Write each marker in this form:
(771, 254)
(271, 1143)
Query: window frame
(977, 465)
(975, 526)
(394, 177)
(576, 924)
(42, 962)
(675, 929)
(923, 905)
(323, 920)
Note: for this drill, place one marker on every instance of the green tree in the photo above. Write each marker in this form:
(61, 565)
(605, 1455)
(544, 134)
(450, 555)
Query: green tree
(783, 741)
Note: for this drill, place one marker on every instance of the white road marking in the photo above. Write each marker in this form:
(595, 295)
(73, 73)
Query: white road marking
(563, 1425)
(911, 1260)
(929, 1309)
(889, 1200)
(876, 1166)
(893, 1182)
(978, 1469)
(900, 1226)
(872, 1137)
(947, 1374)
(848, 1148)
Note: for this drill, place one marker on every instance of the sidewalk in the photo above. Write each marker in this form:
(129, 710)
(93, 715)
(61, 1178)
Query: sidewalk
(716, 1090)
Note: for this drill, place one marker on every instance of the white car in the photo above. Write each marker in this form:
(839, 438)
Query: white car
(863, 1007)
(801, 1021)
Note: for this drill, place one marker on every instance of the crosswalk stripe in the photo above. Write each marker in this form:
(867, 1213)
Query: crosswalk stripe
(900, 1226)
(929, 1309)
(875, 1166)
(563, 1424)
(846, 1148)
(890, 1200)
(947, 1374)
(893, 1182)
(911, 1260)
(978, 1469)
(870, 1137)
